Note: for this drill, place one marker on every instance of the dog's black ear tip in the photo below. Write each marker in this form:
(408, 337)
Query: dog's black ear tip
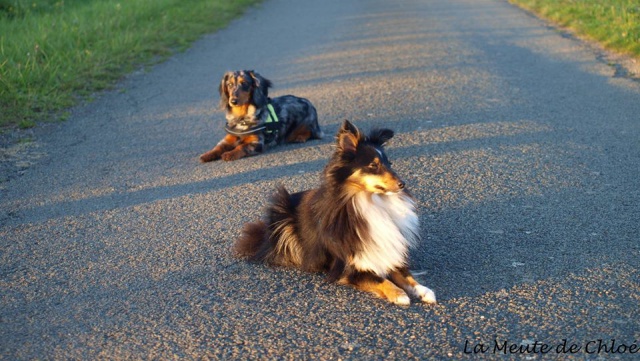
(347, 126)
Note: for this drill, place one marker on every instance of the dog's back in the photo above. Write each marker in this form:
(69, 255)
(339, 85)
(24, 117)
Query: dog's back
(299, 118)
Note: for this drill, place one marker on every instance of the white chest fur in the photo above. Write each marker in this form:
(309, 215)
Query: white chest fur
(393, 228)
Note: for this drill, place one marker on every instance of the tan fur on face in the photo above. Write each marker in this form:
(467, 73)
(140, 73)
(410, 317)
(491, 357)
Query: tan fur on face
(375, 183)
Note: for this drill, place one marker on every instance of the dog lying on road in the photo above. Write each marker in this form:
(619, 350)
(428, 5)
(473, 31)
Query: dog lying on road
(357, 226)
(255, 121)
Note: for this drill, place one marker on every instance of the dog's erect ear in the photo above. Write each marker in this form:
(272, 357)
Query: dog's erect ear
(348, 138)
(380, 136)
(222, 89)
(348, 127)
(260, 88)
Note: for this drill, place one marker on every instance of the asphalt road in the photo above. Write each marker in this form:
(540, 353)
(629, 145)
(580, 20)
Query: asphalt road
(520, 143)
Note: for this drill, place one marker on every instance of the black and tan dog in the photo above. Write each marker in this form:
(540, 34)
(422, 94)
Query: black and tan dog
(357, 226)
(256, 122)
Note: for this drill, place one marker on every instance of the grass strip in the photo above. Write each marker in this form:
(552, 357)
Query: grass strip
(613, 23)
(54, 52)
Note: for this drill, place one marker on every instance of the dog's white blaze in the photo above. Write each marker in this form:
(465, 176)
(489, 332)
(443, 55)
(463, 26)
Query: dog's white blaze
(393, 228)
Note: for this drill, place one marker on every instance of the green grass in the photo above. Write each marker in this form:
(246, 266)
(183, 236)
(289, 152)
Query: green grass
(55, 52)
(613, 23)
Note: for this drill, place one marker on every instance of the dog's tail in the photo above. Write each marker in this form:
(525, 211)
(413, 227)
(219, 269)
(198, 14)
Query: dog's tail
(276, 241)
(251, 240)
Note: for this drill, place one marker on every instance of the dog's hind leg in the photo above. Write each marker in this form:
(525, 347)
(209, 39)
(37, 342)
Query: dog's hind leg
(383, 288)
(316, 132)
(305, 131)
(306, 125)
(299, 135)
(403, 279)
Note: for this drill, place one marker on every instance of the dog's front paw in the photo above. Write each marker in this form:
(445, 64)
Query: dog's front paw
(425, 294)
(232, 155)
(209, 156)
(393, 294)
(401, 299)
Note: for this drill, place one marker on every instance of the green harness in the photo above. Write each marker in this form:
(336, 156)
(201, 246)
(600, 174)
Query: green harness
(272, 120)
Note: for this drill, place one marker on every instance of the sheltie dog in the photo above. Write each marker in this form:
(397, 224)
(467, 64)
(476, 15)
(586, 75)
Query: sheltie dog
(255, 121)
(357, 226)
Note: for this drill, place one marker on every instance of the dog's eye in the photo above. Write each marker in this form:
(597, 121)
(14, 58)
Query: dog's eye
(373, 165)
(229, 85)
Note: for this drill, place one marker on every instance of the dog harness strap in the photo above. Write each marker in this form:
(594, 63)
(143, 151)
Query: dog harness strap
(246, 132)
(271, 124)
(272, 119)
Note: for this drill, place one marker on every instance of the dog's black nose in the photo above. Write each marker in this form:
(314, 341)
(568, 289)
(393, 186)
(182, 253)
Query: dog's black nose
(400, 184)
(233, 101)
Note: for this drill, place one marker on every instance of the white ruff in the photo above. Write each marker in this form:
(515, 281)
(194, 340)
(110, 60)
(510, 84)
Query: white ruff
(393, 228)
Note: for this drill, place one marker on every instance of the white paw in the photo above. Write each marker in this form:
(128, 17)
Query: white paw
(402, 300)
(425, 294)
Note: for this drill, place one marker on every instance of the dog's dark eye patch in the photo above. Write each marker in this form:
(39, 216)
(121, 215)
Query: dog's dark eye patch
(240, 82)
(370, 158)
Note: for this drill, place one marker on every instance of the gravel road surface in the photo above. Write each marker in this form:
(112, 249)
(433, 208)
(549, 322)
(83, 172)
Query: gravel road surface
(520, 143)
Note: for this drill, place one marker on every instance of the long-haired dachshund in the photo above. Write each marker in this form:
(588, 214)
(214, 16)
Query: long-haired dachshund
(255, 121)
(357, 226)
